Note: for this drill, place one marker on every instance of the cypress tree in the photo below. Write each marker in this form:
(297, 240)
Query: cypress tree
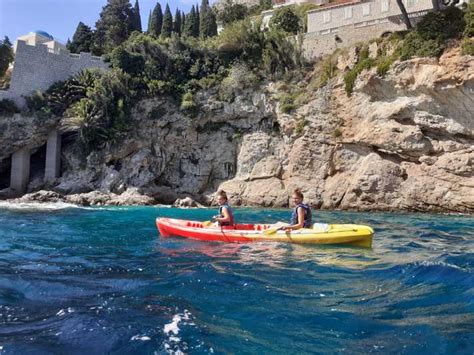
(190, 25)
(149, 22)
(197, 23)
(137, 21)
(167, 23)
(177, 22)
(183, 21)
(156, 21)
(6, 55)
(113, 27)
(207, 24)
(82, 39)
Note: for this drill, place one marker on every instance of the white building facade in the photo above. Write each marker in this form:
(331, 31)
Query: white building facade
(344, 23)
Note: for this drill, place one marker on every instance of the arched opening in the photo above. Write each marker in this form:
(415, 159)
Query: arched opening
(37, 166)
(5, 172)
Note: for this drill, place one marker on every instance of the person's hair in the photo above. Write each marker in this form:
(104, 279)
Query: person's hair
(298, 193)
(222, 194)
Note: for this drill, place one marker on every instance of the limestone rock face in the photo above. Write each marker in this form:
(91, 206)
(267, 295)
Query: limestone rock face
(17, 132)
(401, 142)
(186, 202)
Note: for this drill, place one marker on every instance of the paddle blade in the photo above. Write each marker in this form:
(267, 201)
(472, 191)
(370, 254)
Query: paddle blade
(270, 231)
(207, 223)
(276, 227)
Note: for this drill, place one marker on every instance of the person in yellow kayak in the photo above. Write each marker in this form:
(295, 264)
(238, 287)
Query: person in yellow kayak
(301, 216)
(225, 216)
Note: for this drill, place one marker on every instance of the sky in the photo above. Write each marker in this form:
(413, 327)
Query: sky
(60, 17)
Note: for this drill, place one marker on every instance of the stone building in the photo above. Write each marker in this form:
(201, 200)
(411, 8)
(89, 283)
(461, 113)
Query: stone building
(343, 23)
(40, 61)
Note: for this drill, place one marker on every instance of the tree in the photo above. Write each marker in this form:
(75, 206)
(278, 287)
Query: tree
(6, 55)
(285, 19)
(177, 22)
(198, 22)
(167, 23)
(232, 12)
(405, 17)
(82, 40)
(156, 21)
(265, 4)
(113, 27)
(148, 23)
(183, 21)
(207, 23)
(190, 25)
(137, 21)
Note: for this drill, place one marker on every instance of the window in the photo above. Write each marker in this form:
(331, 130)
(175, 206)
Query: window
(348, 12)
(327, 17)
(385, 6)
(366, 10)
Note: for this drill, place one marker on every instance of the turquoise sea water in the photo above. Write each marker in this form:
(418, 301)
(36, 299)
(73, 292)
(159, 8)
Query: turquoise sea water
(101, 280)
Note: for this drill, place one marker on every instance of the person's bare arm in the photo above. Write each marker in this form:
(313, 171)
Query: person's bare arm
(226, 215)
(300, 223)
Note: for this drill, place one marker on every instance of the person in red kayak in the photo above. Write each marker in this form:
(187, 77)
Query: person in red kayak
(301, 216)
(225, 216)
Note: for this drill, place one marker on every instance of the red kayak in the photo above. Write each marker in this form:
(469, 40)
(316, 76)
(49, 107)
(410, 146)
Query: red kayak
(244, 233)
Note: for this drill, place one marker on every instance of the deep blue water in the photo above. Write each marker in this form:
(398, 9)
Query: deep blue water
(101, 280)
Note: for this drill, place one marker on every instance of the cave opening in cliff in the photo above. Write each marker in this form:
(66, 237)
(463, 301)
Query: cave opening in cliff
(5, 172)
(37, 164)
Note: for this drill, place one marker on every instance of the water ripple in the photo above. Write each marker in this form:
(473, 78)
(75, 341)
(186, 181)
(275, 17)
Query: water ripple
(100, 280)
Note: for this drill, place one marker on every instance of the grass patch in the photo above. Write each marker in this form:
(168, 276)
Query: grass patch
(351, 76)
(300, 125)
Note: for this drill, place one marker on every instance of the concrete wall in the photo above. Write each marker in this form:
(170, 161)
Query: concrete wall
(38, 67)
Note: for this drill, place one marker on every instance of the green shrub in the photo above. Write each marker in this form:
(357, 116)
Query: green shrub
(301, 12)
(231, 12)
(159, 87)
(469, 20)
(209, 81)
(337, 133)
(285, 19)
(351, 76)
(300, 125)
(240, 77)
(8, 108)
(430, 34)
(287, 102)
(467, 46)
(83, 117)
(416, 46)
(188, 105)
(364, 52)
(329, 69)
(384, 65)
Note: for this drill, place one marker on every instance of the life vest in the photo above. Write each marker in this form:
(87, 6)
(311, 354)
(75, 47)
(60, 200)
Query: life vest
(307, 215)
(231, 215)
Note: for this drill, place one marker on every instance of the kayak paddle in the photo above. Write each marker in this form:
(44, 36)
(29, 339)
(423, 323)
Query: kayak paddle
(207, 223)
(276, 228)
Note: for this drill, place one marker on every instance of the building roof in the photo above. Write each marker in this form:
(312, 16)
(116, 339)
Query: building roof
(335, 3)
(43, 33)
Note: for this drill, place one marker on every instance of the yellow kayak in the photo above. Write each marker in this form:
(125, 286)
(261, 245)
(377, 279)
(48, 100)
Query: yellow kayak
(320, 233)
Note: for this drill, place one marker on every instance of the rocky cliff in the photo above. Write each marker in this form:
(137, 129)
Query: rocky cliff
(401, 142)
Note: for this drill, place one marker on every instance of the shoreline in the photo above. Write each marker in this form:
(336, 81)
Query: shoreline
(99, 199)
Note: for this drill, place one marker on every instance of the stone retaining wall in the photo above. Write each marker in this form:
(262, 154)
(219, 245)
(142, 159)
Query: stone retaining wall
(38, 67)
